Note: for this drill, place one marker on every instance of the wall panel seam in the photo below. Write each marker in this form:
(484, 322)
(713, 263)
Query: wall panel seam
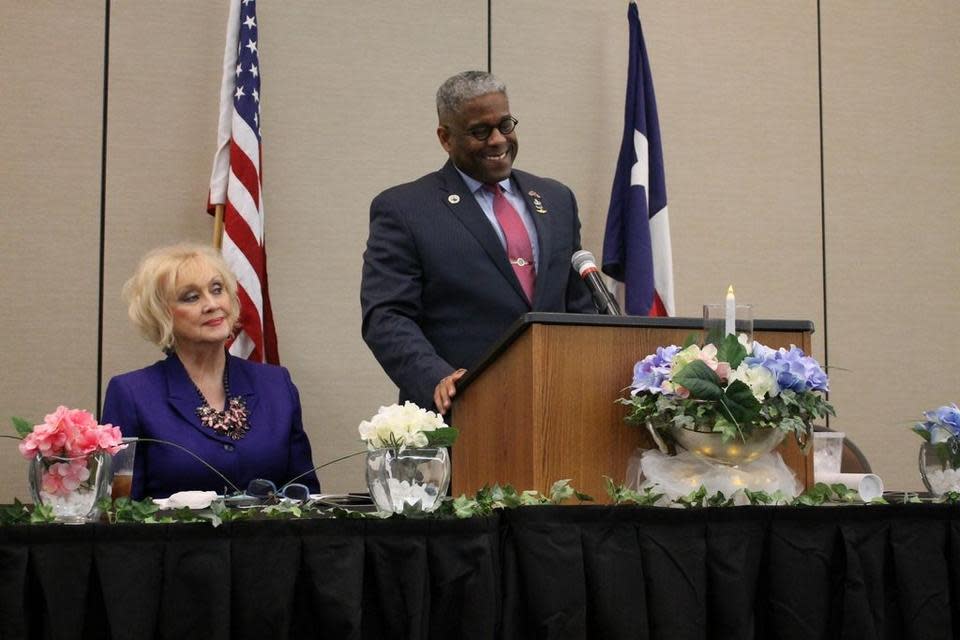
(103, 206)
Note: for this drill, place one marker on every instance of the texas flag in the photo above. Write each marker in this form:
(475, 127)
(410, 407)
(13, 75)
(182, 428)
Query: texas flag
(636, 245)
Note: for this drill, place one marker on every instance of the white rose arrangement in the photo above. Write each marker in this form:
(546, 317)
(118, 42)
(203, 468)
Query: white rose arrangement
(406, 426)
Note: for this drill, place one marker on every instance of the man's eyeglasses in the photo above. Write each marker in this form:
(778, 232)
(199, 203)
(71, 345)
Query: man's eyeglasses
(484, 131)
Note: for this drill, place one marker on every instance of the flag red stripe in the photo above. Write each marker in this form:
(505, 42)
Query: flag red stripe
(250, 323)
(239, 231)
(243, 168)
(272, 353)
(657, 308)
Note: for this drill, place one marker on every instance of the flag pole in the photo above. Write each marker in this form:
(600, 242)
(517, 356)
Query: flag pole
(220, 175)
(218, 227)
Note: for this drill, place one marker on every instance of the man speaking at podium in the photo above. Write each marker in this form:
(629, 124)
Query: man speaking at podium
(454, 258)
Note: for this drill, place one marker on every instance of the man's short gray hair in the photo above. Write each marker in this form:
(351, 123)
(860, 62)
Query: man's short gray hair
(465, 86)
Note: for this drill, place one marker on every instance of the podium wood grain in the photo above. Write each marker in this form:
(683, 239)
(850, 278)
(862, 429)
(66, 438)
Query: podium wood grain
(545, 409)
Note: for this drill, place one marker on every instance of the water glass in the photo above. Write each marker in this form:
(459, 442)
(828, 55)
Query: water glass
(827, 452)
(122, 465)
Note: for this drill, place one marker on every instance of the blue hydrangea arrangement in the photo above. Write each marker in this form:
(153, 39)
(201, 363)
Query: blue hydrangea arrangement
(942, 429)
(730, 387)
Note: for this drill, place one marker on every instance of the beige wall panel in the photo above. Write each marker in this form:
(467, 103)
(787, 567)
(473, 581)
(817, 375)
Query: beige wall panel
(565, 67)
(737, 95)
(736, 86)
(348, 110)
(49, 216)
(161, 135)
(891, 127)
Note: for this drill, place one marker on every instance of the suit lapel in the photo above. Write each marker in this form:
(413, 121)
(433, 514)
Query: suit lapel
(182, 395)
(241, 383)
(541, 220)
(465, 208)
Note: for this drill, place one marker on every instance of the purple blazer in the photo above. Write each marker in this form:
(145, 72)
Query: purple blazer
(160, 401)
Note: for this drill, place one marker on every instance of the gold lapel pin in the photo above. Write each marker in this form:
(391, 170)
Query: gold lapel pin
(537, 202)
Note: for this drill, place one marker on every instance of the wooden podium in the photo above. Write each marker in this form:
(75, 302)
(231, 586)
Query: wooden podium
(541, 405)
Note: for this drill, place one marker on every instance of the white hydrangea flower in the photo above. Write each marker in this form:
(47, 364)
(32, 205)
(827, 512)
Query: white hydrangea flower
(404, 425)
(760, 380)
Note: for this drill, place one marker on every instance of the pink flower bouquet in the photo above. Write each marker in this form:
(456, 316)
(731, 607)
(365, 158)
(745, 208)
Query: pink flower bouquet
(70, 435)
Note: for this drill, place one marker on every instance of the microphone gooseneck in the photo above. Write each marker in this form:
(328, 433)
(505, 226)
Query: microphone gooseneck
(586, 265)
(321, 466)
(227, 480)
(195, 456)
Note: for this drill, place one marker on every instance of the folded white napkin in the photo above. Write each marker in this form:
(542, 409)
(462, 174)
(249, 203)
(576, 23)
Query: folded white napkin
(189, 499)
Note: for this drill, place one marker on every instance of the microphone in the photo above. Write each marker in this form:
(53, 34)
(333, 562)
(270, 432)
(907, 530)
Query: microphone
(586, 265)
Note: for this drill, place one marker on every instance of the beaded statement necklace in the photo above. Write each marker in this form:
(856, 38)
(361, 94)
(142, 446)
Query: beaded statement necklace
(232, 421)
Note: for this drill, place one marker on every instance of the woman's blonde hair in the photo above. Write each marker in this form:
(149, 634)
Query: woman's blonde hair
(152, 289)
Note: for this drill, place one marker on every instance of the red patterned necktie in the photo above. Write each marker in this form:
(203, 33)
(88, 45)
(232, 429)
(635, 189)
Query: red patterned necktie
(519, 249)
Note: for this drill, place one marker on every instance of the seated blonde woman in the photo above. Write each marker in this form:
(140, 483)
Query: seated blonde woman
(241, 417)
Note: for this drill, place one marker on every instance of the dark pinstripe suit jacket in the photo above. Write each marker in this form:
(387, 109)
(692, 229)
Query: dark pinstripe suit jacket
(437, 287)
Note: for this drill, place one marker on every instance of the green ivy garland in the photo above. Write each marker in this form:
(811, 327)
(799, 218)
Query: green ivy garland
(483, 503)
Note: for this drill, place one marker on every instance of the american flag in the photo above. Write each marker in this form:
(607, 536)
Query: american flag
(235, 183)
(636, 245)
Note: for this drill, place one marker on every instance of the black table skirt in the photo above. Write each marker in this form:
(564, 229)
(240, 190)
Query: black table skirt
(536, 572)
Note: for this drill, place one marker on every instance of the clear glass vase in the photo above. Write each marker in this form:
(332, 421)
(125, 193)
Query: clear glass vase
(408, 479)
(939, 468)
(71, 487)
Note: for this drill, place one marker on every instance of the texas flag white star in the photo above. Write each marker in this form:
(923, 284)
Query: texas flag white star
(659, 223)
(640, 171)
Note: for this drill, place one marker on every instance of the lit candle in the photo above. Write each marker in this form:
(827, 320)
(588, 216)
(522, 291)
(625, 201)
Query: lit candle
(731, 314)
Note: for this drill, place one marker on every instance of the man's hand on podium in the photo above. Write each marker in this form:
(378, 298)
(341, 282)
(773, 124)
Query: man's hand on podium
(446, 389)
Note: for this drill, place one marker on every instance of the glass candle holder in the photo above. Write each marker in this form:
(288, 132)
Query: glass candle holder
(717, 323)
